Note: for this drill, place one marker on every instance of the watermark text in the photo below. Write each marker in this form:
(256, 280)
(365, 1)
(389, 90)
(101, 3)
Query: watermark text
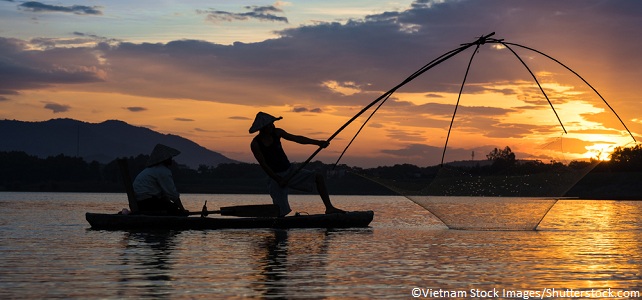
(544, 293)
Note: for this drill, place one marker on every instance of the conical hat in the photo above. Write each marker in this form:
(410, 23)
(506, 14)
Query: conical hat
(262, 119)
(160, 154)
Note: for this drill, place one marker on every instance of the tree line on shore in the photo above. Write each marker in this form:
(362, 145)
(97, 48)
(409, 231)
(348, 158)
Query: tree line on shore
(20, 171)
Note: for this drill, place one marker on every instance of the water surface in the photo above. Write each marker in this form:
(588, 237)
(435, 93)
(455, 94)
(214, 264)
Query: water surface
(48, 251)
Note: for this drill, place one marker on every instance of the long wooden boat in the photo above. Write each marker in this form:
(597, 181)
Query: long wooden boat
(352, 219)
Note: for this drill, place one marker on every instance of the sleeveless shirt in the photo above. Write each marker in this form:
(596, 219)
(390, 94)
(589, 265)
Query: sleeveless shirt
(274, 155)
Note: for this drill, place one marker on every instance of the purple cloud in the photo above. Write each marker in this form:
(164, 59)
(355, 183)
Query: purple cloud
(135, 108)
(56, 107)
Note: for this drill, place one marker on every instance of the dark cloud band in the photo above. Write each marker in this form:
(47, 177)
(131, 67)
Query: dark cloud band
(261, 13)
(39, 7)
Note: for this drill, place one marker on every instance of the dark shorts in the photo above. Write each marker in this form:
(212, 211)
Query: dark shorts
(304, 180)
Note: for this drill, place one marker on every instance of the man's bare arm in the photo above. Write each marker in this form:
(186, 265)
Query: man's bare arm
(300, 139)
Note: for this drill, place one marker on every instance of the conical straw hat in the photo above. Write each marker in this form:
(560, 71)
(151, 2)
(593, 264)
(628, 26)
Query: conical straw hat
(261, 120)
(160, 154)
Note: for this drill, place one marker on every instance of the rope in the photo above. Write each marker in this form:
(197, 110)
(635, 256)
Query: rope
(359, 131)
(461, 89)
(435, 62)
(480, 41)
(582, 78)
(539, 85)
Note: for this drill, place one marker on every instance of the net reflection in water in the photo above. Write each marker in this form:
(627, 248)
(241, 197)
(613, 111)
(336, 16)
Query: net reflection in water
(487, 213)
(486, 198)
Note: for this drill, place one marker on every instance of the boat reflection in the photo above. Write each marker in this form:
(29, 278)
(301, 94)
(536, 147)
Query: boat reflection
(147, 262)
(289, 253)
(296, 263)
(273, 267)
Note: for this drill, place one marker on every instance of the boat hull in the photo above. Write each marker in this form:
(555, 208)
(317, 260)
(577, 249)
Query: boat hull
(142, 222)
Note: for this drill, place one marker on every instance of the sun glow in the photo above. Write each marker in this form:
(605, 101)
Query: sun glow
(599, 151)
(588, 134)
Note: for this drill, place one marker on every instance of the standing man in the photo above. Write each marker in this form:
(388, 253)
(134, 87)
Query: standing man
(267, 149)
(154, 186)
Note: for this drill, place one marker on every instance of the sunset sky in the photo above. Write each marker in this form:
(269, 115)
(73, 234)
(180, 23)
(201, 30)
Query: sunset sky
(203, 69)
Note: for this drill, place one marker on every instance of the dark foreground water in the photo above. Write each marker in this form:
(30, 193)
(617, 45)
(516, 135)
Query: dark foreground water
(582, 249)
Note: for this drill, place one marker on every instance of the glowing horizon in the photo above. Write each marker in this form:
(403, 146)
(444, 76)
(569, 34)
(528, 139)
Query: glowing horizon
(202, 70)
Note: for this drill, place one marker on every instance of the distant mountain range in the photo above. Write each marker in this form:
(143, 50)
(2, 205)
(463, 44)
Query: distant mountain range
(102, 142)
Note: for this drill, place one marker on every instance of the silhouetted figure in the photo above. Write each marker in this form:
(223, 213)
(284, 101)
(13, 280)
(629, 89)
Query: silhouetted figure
(154, 186)
(267, 149)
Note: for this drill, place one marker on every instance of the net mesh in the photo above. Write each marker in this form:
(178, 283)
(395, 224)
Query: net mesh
(486, 195)
(487, 213)
(493, 105)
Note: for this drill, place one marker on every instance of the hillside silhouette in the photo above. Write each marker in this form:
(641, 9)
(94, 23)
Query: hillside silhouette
(73, 156)
(101, 142)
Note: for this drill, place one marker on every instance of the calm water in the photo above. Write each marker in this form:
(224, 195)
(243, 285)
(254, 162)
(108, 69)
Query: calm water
(48, 251)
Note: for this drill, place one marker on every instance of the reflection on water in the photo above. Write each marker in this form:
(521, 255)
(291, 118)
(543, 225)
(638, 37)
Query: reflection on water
(487, 213)
(152, 254)
(284, 258)
(49, 252)
(274, 265)
(601, 242)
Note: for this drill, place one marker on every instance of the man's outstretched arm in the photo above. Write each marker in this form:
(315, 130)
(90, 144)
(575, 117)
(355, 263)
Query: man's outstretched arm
(301, 139)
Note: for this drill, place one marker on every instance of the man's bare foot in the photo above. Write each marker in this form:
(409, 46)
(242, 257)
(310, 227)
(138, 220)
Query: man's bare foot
(334, 210)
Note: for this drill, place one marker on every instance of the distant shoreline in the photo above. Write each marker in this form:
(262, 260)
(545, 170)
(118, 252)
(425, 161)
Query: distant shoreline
(616, 186)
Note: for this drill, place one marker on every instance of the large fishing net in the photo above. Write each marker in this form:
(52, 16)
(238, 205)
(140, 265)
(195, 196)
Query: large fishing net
(485, 194)
(501, 189)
